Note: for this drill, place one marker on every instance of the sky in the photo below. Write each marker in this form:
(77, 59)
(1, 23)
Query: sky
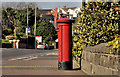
(40, 0)
(47, 5)
(59, 4)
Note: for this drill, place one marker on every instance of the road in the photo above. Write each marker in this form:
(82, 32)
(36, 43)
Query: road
(32, 62)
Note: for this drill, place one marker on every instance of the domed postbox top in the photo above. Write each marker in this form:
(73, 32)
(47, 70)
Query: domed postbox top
(65, 20)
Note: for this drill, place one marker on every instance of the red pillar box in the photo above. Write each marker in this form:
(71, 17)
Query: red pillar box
(65, 43)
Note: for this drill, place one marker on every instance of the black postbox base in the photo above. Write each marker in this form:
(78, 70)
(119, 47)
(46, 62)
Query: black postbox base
(64, 65)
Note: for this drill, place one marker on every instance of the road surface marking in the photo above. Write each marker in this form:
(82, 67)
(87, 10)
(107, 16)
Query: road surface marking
(18, 58)
(42, 55)
(12, 59)
(23, 58)
(24, 66)
(31, 58)
(52, 54)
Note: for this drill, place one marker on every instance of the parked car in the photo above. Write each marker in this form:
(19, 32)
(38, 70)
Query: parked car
(46, 46)
(41, 46)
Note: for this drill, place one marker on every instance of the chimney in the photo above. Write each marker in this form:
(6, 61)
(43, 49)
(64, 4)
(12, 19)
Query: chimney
(64, 8)
(55, 17)
(56, 9)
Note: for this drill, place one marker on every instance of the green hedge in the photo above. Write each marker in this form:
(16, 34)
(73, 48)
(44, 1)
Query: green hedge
(5, 41)
(98, 23)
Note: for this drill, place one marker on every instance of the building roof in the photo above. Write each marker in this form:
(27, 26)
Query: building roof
(48, 17)
(43, 11)
(71, 8)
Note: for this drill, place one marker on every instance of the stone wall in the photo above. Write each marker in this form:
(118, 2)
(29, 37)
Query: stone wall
(99, 63)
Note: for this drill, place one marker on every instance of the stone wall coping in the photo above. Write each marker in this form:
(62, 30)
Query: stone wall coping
(102, 54)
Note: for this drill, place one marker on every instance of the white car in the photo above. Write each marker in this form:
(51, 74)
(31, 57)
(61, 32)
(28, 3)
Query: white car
(40, 46)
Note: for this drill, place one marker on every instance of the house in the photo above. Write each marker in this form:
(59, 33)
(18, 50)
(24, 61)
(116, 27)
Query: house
(58, 13)
(73, 13)
(43, 11)
(45, 14)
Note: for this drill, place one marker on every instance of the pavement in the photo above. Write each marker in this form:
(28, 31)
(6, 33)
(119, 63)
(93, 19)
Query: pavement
(33, 62)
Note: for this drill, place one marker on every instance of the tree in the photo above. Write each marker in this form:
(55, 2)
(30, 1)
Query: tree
(46, 30)
(12, 18)
(17, 17)
(8, 18)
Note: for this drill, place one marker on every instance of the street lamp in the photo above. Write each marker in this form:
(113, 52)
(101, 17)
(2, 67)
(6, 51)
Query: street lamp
(35, 22)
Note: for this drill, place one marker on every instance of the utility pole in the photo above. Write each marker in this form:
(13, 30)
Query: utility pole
(27, 21)
(27, 26)
(35, 22)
